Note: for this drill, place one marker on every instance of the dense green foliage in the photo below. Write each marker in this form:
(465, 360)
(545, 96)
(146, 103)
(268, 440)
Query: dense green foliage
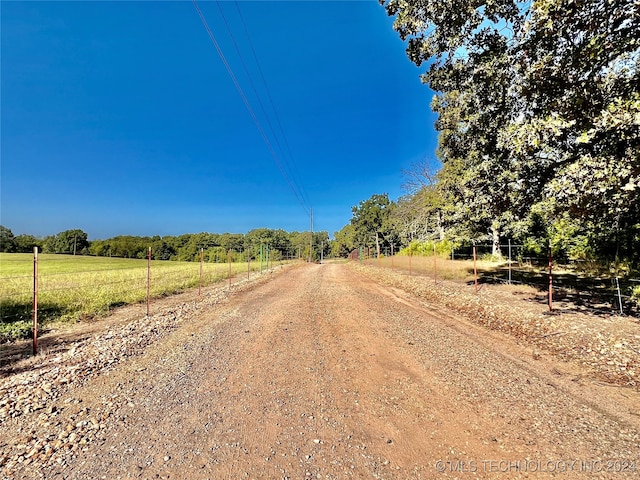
(187, 247)
(539, 125)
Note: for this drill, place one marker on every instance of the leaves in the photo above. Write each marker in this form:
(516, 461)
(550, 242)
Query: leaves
(538, 115)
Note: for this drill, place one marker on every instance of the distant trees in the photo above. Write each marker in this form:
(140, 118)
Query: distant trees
(214, 246)
(372, 222)
(343, 243)
(25, 243)
(6, 240)
(18, 243)
(69, 241)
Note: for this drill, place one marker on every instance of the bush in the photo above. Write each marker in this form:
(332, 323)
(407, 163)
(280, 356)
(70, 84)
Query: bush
(635, 295)
(425, 249)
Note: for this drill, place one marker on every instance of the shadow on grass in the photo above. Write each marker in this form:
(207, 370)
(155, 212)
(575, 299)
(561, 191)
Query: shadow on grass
(571, 292)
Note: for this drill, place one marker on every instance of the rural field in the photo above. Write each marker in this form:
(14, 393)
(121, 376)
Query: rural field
(335, 370)
(82, 287)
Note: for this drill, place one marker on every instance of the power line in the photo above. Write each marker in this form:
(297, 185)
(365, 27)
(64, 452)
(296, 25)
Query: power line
(273, 107)
(248, 106)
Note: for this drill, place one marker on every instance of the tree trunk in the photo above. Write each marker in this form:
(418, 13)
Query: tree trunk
(495, 238)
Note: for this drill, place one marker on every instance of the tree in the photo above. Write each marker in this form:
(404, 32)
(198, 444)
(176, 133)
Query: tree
(69, 242)
(420, 215)
(342, 244)
(6, 240)
(538, 112)
(372, 222)
(277, 240)
(25, 243)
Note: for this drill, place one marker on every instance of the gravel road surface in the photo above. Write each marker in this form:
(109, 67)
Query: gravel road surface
(323, 373)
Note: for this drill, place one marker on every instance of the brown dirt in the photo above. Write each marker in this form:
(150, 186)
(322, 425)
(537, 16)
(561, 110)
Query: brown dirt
(324, 373)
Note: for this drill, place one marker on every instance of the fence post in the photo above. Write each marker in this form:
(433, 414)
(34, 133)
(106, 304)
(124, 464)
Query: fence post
(148, 280)
(435, 265)
(201, 260)
(229, 269)
(261, 257)
(248, 263)
(410, 256)
(509, 261)
(392, 254)
(475, 269)
(34, 328)
(550, 278)
(619, 296)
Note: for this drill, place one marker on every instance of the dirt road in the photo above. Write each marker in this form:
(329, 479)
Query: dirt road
(322, 373)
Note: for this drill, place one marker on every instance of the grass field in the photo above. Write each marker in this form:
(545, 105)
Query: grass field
(75, 287)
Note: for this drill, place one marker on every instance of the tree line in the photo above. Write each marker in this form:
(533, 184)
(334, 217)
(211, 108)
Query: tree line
(187, 247)
(538, 107)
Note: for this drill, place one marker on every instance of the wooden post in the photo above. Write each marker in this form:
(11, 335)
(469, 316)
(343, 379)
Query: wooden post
(35, 301)
(148, 280)
(229, 269)
(475, 269)
(248, 263)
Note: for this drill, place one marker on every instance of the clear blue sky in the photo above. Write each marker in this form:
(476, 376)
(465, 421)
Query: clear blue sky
(120, 118)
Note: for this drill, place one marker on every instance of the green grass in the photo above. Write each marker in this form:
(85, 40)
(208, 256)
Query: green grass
(76, 287)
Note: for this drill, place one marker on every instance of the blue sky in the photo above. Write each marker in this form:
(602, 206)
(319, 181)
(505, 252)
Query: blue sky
(120, 118)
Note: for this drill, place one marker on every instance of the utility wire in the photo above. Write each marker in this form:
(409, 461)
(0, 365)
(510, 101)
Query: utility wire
(292, 164)
(255, 91)
(248, 106)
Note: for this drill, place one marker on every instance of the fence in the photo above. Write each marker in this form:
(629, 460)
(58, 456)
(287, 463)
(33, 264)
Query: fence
(476, 265)
(42, 288)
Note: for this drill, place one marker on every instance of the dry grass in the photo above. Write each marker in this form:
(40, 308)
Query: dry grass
(446, 269)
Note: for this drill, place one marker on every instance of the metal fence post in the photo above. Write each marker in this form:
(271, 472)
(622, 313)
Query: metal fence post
(392, 254)
(509, 261)
(550, 278)
(148, 280)
(475, 269)
(435, 265)
(619, 296)
(410, 256)
(201, 260)
(35, 300)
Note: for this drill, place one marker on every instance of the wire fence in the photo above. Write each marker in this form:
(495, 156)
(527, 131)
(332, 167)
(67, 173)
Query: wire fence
(573, 282)
(59, 287)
